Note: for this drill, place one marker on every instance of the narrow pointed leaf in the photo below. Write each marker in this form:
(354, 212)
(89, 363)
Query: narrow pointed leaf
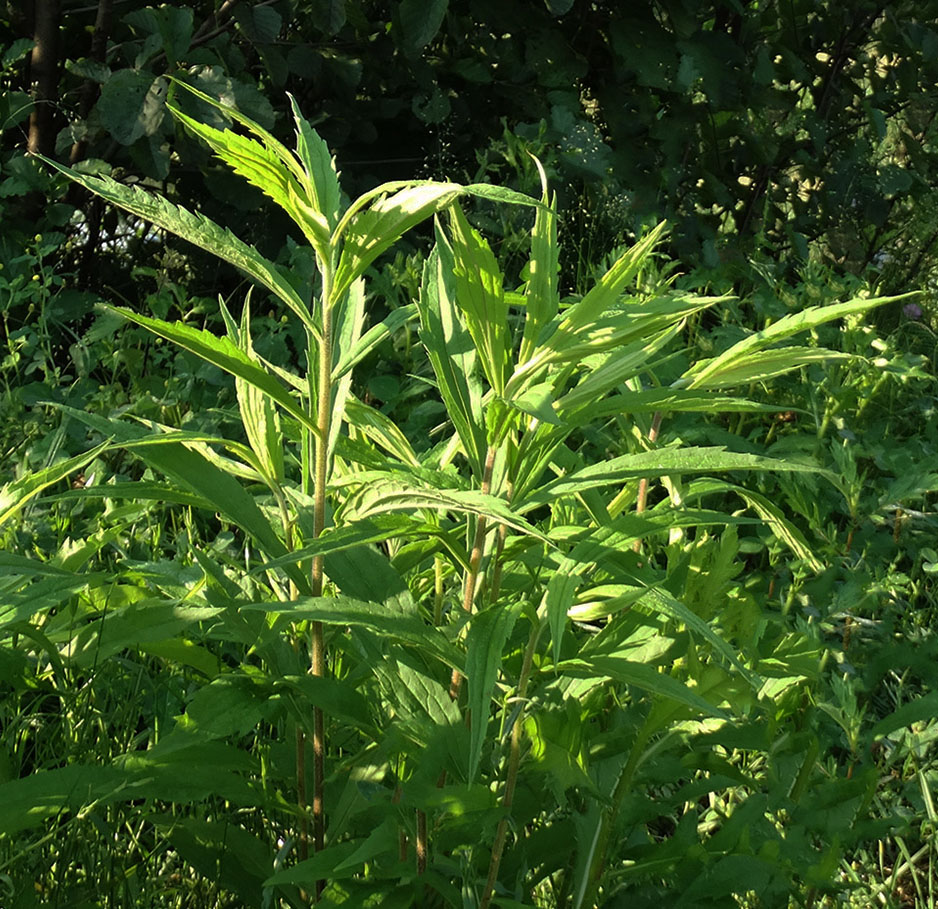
(710, 370)
(197, 229)
(638, 675)
(17, 493)
(226, 355)
(661, 462)
(488, 632)
(377, 227)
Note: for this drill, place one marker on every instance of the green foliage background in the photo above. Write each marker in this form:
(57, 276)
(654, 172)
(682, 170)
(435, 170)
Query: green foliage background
(150, 706)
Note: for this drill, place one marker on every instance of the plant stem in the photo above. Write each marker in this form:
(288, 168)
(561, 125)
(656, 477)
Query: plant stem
(643, 483)
(475, 561)
(514, 762)
(321, 467)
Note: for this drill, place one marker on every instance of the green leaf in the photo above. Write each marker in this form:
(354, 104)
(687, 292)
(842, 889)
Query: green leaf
(197, 229)
(376, 617)
(541, 293)
(745, 353)
(329, 16)
(610, 286)
(768, 364)
(319, 165)
(17, 493)
(453, 357)
(226, 355)
(192, 470)
(783, 528)
(382, 430)
(274, 174)
(640, 676)
(380, 493)
(659, 601)
(131, 105)
(259, 417)
(488, 632)
(372, 231)
(922, 709)
(661, 462)
(475, 283)
(420, 22)
(372, 338)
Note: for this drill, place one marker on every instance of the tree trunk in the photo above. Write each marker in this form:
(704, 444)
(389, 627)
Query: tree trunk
(44, 77)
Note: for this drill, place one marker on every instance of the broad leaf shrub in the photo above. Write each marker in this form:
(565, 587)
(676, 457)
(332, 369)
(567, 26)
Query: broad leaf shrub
(521, 665)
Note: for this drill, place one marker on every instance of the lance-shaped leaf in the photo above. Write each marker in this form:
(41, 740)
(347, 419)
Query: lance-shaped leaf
(381, 429)
(349, 318)
(773, 516)
(374, 229)
(747, 352)
(625, 323)
(172, 455)
(262, 167)
(380, 493)
(613, 368)
(377, 617)
(649, 400)
(452, 356)
(767, 364)
(375, 335)
(488, 632)
(198, 230)
(661, 462)
(541, 293)
(638, 675)
(607, 290)
(475, 283)
(226, 355)
(259, 417)
(319, 166)
(16, 494)
(659, 601)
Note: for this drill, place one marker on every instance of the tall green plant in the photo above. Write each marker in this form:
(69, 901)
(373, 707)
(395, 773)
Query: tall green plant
(515, 520)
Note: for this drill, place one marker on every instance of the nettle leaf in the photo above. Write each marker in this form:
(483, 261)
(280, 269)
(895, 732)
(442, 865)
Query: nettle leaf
(369, 232)
(270, 172)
